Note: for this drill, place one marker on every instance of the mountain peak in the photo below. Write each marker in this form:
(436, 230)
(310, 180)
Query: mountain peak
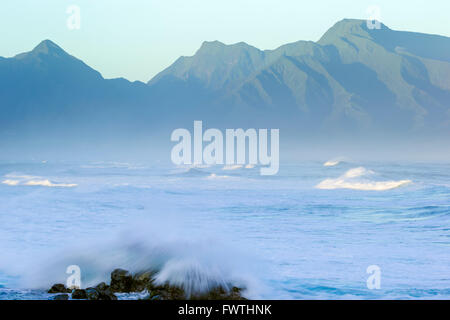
(211, 46)
(217, 47)
(354, 25)
(48, 47)
(345, 27)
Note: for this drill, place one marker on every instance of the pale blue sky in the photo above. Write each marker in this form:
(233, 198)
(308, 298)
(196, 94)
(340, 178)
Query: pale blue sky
(136, 39)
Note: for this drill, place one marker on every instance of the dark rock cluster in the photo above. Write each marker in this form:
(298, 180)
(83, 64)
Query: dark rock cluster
(122, 281)
(100, 292)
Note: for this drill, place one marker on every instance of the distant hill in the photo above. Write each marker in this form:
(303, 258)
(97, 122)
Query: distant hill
(352, 78)
(353, 82)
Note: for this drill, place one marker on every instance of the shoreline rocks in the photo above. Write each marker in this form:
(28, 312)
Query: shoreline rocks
(59, 288)
(63, 296)
(79, 294)
(122, 281)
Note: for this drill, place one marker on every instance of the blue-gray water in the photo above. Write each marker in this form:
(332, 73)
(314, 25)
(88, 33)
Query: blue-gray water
(280, 236)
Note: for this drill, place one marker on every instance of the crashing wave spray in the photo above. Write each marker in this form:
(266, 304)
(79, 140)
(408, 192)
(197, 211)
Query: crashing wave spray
(349, 181)
(180, 256)
(334, 162)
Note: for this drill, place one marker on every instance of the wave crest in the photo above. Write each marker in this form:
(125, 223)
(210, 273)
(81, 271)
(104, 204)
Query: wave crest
(349, 181)
(195, 261)
(24, 180)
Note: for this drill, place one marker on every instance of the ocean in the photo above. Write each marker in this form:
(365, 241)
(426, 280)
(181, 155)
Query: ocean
(309, 232)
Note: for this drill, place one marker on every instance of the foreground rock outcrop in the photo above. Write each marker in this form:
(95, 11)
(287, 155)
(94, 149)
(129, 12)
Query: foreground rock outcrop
(122, 281)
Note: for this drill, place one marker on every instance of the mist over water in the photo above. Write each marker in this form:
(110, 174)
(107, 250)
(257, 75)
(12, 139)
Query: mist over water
(277, 236)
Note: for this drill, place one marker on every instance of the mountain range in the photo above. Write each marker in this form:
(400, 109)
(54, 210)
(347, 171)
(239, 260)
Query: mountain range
(354, 84)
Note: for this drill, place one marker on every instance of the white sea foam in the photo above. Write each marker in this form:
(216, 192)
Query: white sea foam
(349, 180)
(357, 172)
(181, 256)
(215, 176)
(10, 182)
(48, 183)
(331, 163)
(232, 167)
(334, 162)
(26, 180)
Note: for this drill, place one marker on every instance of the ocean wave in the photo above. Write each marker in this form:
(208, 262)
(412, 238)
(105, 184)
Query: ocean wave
(331, 163)
(232, 167)
(33, 181)
(191, 172)
(349, 180)
(334, 162)
(195, 261)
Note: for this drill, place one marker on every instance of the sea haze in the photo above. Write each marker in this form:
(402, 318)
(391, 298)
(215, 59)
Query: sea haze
(375, 92)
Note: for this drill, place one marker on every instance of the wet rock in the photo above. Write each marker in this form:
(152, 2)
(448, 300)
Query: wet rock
(79, 294)
(165, 292)
(92, 294)
(124, 281)
(63, 296)
(101, 287)
(142, 281)
(59, 288)
(220, 293)
(235, 294)
(107, 295)
(105, 292)
(121, 281)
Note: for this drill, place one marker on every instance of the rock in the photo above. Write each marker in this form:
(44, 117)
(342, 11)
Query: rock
(124, 281)
(105, 292)
(101, 287)
(79, 294)
(59, 288)
(220, 293)
(142, 281)
(236, 294)
(121, 281)
(92, 294)
(166, 292)
(107, 296)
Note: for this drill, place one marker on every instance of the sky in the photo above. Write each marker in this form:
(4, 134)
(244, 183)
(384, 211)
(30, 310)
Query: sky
(136, 39)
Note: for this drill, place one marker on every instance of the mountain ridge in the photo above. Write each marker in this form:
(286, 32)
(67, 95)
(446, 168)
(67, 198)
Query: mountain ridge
(352, 81)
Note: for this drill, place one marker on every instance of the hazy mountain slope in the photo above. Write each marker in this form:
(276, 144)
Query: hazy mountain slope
(215, 65)
(353, 83)
(353, 78)
(49, 96)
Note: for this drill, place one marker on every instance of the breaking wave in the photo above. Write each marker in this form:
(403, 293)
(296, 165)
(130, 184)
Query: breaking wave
(352, 179)
(196, 261)
(232, 167)
(334, 162)
(331, 163)
(24, 180)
